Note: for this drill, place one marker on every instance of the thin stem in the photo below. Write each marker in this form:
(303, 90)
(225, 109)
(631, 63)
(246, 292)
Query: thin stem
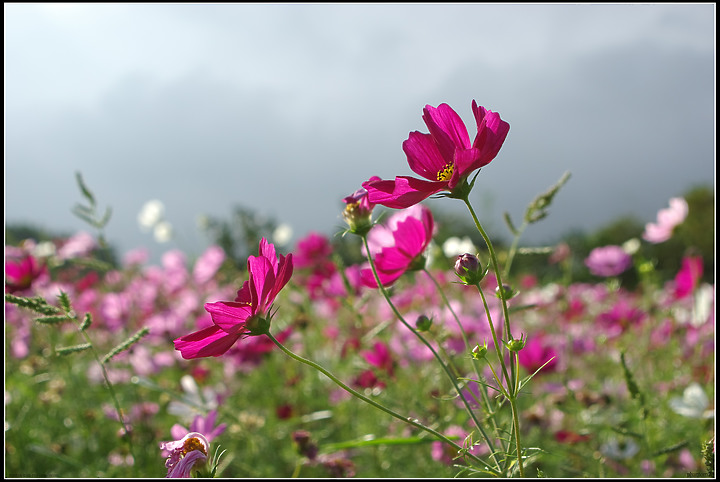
(483, 393)
(496, 269)
(498, 346)
(516, 430)
(513, 249)
(452, 378)
(110, 387)
(362, 397)
(513, 386)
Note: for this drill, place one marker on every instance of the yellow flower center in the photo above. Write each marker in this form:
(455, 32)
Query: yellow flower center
(446, 172)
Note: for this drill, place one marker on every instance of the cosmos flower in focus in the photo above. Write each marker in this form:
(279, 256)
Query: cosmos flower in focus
(445, 157)
(249, 314)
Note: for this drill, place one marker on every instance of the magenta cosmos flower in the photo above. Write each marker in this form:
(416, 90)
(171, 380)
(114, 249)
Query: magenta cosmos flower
(249, 314)
(608, 261)
(445, 156)
(398, 248)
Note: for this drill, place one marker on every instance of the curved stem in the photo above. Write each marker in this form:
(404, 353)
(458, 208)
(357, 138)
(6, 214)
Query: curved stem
(513, 249)
(513, 386)
(110, 388)
(452, 378)
(496, 269)
(474, 362)
(362, 397)
(498, 346)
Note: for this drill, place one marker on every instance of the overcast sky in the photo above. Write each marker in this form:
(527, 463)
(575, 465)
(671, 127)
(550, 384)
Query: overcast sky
(287, 108)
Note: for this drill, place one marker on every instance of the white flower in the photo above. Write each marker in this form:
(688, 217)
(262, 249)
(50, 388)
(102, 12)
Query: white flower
(282, 234)
(162, 232)
(454, 246)
(150, 214)
(694, 403)
(615, 449)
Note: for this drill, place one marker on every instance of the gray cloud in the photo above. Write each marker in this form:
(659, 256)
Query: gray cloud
(288, 108)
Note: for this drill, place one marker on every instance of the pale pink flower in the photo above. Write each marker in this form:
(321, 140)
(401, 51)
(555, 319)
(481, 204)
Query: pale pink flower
(667, 219)
(608, 261)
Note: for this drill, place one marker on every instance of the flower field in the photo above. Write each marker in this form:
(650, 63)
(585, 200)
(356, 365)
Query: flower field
(383, 353)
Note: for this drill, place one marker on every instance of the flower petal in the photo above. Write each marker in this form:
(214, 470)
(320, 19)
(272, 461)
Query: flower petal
(423, 155)
(211, 341)
(403, 192)
(229, 316)
(262, 282)
(447, 128)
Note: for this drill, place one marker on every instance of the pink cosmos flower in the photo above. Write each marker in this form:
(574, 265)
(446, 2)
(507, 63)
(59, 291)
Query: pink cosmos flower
(536, 353)
(380, 357)
(667, 219)
(21, 272)
(233, 320)
(202, 424)
(410, 237)
(185, 453)
(445, 156)
(608, 261)
(687, 278)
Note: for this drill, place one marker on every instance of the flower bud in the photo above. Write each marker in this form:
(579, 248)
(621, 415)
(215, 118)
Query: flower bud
(479, 352)
(358, 212)
(516, 345)
(423, 323)
(506, 292)
(468, 269)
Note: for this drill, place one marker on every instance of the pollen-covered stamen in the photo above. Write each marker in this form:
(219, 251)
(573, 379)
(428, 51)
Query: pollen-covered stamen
(191, 444)
(446, 172)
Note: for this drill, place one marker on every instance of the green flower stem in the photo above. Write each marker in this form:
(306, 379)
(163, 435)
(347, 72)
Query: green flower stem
(447, 303)
(110, 387)
(362, 397)
(516, 431)
(513, 248)
(513, 386)
(452, 378)
(498, 346)
(483, 393)
(496, 265)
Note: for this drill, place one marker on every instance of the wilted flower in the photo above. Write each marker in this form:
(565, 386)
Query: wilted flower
(445, 156)
(608, 261)
(185, 453)
(358, 210)
(667, 219)
(248, 314)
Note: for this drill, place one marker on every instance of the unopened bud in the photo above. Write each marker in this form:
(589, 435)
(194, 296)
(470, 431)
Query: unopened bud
(506, 292)
(516, 345)
(479, 352)
(423, 323)
(468, 269)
